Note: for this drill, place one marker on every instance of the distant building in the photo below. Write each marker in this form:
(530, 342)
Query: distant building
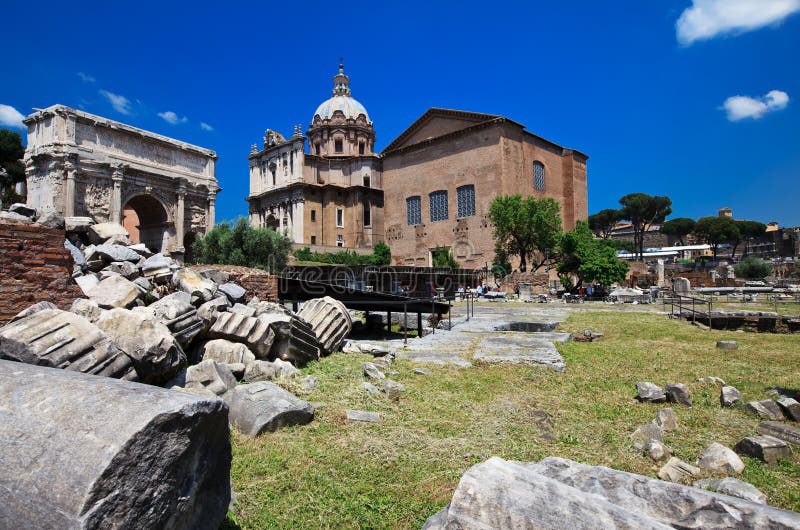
(725, 212)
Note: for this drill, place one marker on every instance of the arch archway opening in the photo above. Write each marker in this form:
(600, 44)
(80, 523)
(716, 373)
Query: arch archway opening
(188, 242)
(145, 219)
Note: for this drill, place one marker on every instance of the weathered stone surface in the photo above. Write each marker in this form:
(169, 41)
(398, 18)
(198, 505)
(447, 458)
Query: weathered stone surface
(765, 448)
(649, 392)
(226, 352)
(268, 308)
(23, 209)
(656, 450)
(766, 410)
(237, 369)
(309, 382)
(711, 380)
(330, 321)
(370, 388)
(790, 407)
(190, 282)
(733, 487)
(215, 275)
(179, 315)
(33, 309)
(371, 371)
(676, 470)
(666, 420)
(77, 224)
(61, 339)
(114, 291)
(716, 458)
(727, 344)
(392, 389)
(679, 393)
(681, 285)
(93, 452)
(51, 219)
(126, 269)
(422, 371)
(729, 396)
(234, 292)
(209, 311)
(86, 308)
(265, 407)
(117, 253)
(143, 284)
(362, 416)
(256, 334)
(297, 343)
(241, 309)
(141, 249)
(77, 256)
(102, 232)
(787, 433)
(157, 268)
(210, 375)
(645, 433)
(260, 371)
(519, 348)
(155, 353)
(13, 216)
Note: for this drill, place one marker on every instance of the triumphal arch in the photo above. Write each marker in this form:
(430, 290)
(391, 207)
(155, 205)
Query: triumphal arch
(162, 190)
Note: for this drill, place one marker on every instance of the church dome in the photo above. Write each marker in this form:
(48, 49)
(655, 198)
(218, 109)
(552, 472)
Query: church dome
(341, 100)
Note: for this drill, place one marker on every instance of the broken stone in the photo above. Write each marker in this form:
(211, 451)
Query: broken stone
(649, 393)
(51, 219)
(157, 268)
(209, 311)
(711, 380)
(87, 282)
(297, 344)
(234, 292)
(35, 308)
(60, 339)
(330, 321)
(790, 407)
(268, 308)
(102, 232)
(676, 470)
(210, 375)
(727, 344)
(226, 352)
(309, 382)
(260, 371)
(241, 309)
(12, 216)
(362, 416)
(729, 396)
(117, 253)
(143, 284)
(257, 335)
(237, 369)
(23, 209)
(370, 388)
(788, 434)
(77, 255)
(190, 282)
(717, 458)
(766, 409)
(76, 224)
(765, 448)
(371, 371)
(666, 420)
(656, 450)
(422, 371)
(679, 393)
(180, 316)
(88, 309)
(645, 433)
(733, 487)
(215, 275)
(114, 291)
(264, 407)
(141, 249)
(155, 353)
(126, 269)
(94, 452)
(392, 389)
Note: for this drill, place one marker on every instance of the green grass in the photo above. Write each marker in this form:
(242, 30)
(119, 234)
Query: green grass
(395, 474)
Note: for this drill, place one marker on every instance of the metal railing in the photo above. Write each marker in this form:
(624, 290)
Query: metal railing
(690, 304)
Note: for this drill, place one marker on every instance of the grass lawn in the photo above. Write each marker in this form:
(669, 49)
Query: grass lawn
(395, 474)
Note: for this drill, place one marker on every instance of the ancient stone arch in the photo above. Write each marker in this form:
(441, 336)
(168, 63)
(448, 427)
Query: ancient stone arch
(147, 221)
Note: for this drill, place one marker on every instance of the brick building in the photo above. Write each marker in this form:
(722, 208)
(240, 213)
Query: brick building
(430, 187)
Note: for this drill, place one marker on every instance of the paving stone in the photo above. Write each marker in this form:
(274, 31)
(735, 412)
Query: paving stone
(765, 448)
(363, 416)
(676, 470)
(766, 410)
(782, 431)
(727, 344)
(790, 407)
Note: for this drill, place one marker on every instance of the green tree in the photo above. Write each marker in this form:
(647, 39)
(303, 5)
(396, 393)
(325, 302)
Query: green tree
(501, 267)
(717, 230)
(679, 227)
(588, 259)
(528, 227)
(12, 170)
(443, 258)
(753, 269)
(241, 244)
(749, 231)
(603, 221)
(381, 254)
(644, 210)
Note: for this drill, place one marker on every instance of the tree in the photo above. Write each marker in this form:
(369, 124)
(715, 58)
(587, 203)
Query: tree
(381, 254)
(603, 221)
(753, 269)
(443, 258)
(679, 227)
(716, 231)
(526, 226)
(241, 244)
(644, 210)
(12, 170)
(588, 259)
(749, 231)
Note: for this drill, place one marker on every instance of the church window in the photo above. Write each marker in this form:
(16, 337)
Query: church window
(366, 181)
(313, 215)
(438, 200)
(413, 212)
(340, 240)
(316, 149)
(361, 148)
(466, 200)
(273, 176)
(338, 146)
(340, 217)
(313, 240)
(538, 176)
(367, 215)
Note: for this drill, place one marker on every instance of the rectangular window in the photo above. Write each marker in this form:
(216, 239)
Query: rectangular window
(313, 215)
(316, 149)
(366, 181)
(361, 148)
(438, 200)
(313, 240)
(538, 176)
(340, 241)
(337, 146)
(413, 212)
(367, 215)
(466, 200)
(340, 217)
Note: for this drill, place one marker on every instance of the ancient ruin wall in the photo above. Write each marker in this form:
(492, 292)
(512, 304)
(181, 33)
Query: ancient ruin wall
(34, 267)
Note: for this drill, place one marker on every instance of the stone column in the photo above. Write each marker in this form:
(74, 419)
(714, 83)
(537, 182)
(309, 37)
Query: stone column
(212, 197)
(180, 215)
(117, 175)
(70, 171)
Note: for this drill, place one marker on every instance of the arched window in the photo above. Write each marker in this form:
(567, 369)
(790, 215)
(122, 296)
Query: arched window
(466, 200)
(413, 212)
(438, 204)
(538, 176)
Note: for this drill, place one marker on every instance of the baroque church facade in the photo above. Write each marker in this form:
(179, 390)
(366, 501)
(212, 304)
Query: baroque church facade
(430, 187)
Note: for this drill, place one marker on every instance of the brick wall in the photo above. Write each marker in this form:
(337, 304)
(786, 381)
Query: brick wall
(34, 267)
(256, 282)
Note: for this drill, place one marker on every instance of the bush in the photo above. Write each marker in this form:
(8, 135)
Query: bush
(443, 258)
(380, 256)
(243, 245)
(753, 269)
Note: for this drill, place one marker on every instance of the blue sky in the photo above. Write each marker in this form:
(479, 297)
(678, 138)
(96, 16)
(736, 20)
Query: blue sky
(625, 82)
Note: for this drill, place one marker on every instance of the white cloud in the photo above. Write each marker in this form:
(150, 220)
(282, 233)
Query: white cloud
(172, 118)
(86, 78)
(742, 107)
(11, 117)
(120, 103)
(205, 126)
(706, 19)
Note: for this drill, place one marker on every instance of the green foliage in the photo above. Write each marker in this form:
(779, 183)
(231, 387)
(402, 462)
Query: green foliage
(603, 221)
(620, 244)
(716, 231)
(501, 266)
(749, 231)
(588, 259)
(11, 152)
(243, 245)
(526, 227)
(679, 227)
(443, 258)
(753, 269)
(643, 210)
(381, 256)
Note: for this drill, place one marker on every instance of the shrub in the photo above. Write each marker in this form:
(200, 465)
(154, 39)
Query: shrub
(381, 256)
(753, 269)
(241, 244)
